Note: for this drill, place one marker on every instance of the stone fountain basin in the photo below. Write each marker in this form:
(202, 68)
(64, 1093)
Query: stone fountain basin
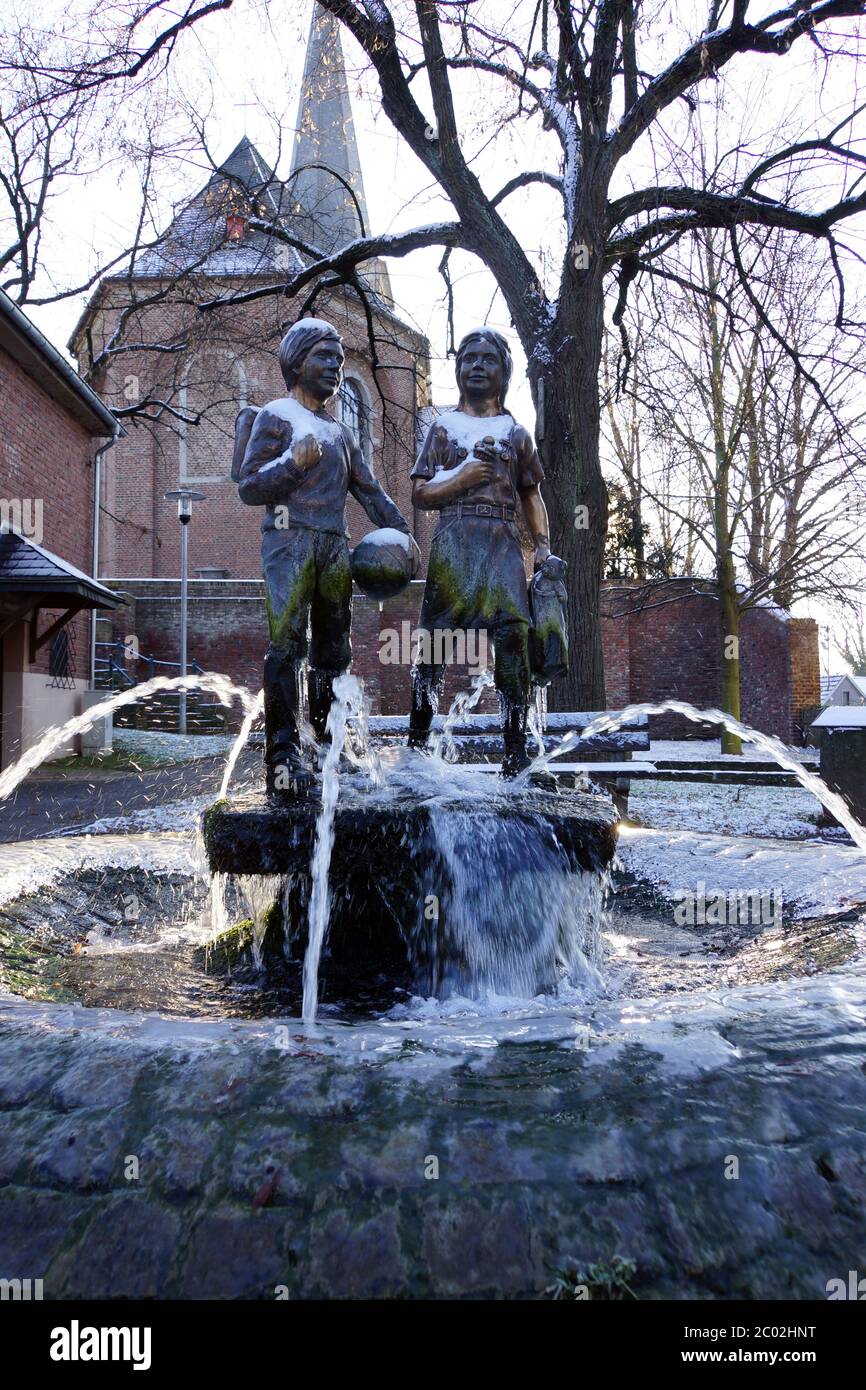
(422, 888)
(275, 1161)
(273, 1165)
(250, 835)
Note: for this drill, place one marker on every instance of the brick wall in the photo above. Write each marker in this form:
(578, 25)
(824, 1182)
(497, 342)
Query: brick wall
(651, 654)
(228, 634)
(673, 641)
(805, 666)
(46, 457)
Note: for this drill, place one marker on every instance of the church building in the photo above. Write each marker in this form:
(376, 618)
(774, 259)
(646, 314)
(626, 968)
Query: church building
(195, 370)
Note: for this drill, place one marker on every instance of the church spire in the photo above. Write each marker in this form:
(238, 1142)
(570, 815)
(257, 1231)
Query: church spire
(322, 207)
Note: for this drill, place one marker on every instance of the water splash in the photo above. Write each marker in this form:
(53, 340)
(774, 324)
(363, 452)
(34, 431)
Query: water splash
(262, 894)
(443, 745)
(348, 699)
(785, 757)
(252, 714)
(368, 756)
(56, 737)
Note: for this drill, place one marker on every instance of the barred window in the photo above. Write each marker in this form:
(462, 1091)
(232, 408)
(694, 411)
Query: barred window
(61, 659)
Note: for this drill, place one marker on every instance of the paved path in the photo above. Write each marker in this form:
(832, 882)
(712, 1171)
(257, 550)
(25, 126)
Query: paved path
(45, 804)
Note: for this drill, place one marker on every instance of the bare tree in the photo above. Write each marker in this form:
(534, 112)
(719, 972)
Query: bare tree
(766, 468)
(853, 646)
(606, 78)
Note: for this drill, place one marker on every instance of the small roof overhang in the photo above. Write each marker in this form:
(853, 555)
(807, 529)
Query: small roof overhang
(32, 578)
(841, 717)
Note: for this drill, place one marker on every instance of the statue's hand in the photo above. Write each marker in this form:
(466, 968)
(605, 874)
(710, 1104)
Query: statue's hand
(486, 449)
(542, 553)
(476, 472)
(306, 452)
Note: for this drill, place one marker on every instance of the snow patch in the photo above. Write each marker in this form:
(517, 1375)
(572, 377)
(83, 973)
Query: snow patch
(811, 878)
(304, 422)
(387, 535)
(468, 430)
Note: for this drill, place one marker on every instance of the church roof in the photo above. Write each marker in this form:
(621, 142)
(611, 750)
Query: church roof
(322, 202)
(198, 239)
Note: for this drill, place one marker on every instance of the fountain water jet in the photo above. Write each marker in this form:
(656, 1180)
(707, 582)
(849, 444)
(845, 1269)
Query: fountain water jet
(783, 756)
(55, 738)
(348, 697)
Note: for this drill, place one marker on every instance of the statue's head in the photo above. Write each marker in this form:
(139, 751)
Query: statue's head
(311, 356)
(483, 366)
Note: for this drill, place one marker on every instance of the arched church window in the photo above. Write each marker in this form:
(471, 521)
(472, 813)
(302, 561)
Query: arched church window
(213, 390)
(352, 411)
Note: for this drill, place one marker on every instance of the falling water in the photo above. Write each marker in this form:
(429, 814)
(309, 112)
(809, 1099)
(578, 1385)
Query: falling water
(250, 718)
(443, 744)
(262, 893)
(607, 723)
(537, 717)
(516, 917)
(56, 737)
(348, 699)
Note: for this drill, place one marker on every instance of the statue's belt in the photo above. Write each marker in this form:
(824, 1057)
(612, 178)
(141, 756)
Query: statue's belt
(488, 509)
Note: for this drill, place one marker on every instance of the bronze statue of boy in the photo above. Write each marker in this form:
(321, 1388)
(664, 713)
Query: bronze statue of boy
(299, 463)
(477, 467)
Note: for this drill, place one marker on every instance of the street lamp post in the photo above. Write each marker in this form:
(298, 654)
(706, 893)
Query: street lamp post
(185, 498)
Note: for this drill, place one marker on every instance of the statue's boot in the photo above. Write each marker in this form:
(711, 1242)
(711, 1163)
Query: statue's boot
(287, 772)
(516, 757)
(421, 714)
(320, 693)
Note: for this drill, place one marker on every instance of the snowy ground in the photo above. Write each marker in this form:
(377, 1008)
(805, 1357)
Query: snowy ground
(738, 839)
(808, 878)
(710, 749)
(786, 813)
(171, 748)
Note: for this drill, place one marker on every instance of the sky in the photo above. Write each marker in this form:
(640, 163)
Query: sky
(239, 72)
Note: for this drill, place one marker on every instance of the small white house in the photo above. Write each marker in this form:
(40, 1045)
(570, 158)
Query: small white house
(847, 690)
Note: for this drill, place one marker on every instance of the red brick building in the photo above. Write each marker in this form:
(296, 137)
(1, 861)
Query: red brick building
(53, 427)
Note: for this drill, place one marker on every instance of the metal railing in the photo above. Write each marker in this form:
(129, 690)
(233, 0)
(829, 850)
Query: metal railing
(113, 664)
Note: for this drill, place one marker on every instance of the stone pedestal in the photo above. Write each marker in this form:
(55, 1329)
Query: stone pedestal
(442, 895)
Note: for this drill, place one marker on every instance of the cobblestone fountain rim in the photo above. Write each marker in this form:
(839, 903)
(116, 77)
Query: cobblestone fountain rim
(145, 1157)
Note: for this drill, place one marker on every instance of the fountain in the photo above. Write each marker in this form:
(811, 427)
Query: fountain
(334, 856)
(396, 1027)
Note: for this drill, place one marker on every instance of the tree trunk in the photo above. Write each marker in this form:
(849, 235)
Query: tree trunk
(576, 497)
(564, 376)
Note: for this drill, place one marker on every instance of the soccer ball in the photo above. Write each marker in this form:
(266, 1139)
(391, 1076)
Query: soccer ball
(382, 563)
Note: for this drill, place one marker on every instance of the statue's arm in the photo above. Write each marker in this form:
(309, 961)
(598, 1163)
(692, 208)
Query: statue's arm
(530, 476)
(434, 485)
(366, 489)
(268, 470)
